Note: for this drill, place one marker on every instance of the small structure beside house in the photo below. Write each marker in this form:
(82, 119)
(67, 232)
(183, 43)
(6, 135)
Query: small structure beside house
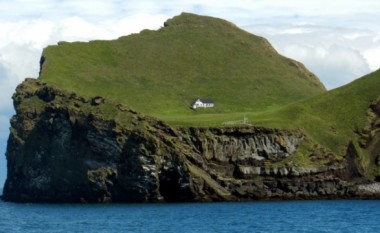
(203, 103)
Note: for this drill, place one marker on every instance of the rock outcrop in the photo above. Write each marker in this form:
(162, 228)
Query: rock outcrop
(67, 148)
(369, 138)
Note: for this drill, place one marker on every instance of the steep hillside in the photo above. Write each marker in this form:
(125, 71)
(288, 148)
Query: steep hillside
(161, 72)
(336, 118)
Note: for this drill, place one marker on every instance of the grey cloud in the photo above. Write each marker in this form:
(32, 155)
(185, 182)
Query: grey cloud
(337, 55)
(6, 89)
(335, 65)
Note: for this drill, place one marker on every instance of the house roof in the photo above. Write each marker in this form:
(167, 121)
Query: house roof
(206, 101)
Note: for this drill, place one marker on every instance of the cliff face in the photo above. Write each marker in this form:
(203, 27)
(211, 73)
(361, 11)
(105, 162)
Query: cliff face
(59, 153)
(369, 139)
(65, 148)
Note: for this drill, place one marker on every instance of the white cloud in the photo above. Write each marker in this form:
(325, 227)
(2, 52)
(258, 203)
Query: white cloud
(337, 55)
(297, 30)
(238, 10)
(21, 44)
(336, 64)
(136, 23)
(20, 61)
(16, 63)
(35, 33)
(372, 57)
(76, 28)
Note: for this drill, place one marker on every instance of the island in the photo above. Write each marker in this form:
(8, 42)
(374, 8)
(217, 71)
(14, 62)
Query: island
(112, 121)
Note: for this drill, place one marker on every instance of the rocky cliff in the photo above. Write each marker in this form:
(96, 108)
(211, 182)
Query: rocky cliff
(66, 148)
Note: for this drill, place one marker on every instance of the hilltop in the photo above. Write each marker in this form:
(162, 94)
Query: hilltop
(161, 72)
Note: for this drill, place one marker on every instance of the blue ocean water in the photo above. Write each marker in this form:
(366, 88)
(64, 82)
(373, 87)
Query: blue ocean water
(289, 216)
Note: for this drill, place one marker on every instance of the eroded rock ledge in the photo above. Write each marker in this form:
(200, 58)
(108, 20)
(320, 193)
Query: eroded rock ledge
(67, 148)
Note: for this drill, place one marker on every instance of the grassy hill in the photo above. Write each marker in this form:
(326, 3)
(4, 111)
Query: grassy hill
(161, 72)
(339, 112)
(332, 119)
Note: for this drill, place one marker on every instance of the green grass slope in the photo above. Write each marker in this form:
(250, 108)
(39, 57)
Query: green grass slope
(331, 119)
(161, 72)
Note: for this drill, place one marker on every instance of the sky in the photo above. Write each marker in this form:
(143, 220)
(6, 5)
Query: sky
(337, 40)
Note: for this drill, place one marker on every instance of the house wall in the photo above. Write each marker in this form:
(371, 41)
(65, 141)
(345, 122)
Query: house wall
(199, 104)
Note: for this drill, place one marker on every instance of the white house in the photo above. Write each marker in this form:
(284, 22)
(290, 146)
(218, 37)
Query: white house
(202, 103)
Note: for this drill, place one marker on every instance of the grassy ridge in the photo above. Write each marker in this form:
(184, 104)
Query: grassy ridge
(161, 72)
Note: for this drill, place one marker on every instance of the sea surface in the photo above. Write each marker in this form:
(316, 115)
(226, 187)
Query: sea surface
(287, 216)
